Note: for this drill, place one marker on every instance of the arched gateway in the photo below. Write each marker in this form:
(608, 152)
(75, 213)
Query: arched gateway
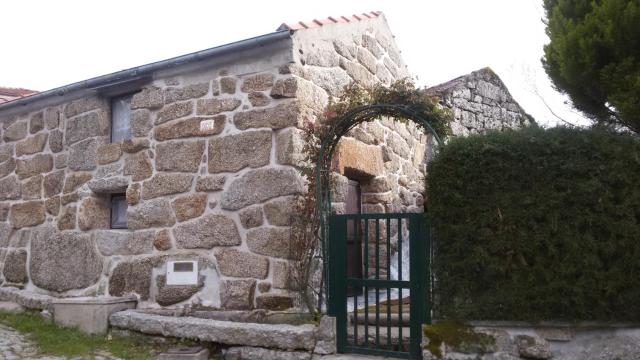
(367, 288)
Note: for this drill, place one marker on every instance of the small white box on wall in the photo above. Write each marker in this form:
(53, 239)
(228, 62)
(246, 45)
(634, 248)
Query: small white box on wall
(182, 273)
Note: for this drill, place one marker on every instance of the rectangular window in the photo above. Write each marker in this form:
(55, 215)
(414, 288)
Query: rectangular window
(121, 118)
(118, 211)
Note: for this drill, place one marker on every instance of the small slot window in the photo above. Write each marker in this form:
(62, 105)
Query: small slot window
(121, 118)
(118, 211)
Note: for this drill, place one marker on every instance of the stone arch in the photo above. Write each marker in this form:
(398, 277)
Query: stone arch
(342, 126)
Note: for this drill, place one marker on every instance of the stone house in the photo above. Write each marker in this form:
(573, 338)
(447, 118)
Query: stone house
(174, 180)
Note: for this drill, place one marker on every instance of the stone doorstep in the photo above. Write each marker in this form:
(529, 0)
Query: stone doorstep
(89, 314)
(281, 336)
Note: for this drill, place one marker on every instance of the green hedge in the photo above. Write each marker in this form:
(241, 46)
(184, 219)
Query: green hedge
(537, 224)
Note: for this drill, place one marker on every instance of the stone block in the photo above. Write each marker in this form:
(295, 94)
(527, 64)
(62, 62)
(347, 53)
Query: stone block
(277, 117)
(228, 85)
(109, 185)
(60, 161)
(251, 217)
(31, 145)
(242, 264)
(533, 347)
(234, 152)
(133, 194)
(162, 240)
(358, 73)
(370, 43)
(6, 152)
(89, 315)
(135, 145)
(141, 123)
(83, 155)
(151, 213)
(187, 92)
(290, 147)
(55, 141)
(123, 242)
(4, 211)
(94, 213)
(274, 302)
(278, 336)
(53, 182)
(32, 188)
(15, 266)
(259, 185)
(5, 232)
(15, 131)
(249, 353)
(210, 183)
(280, 211)
(237, 294)
(75, 180)
(36, 122)
(134, 277)
(67, 219)
(52, 118)
(189, 206)
(270, 241)
(52, 205)
(10, 188)
(185, 353)
(258, 82)
(174, 111)
(216, 106)
(62, 261)
(181, 156)
(86, 126)
(258, 99)
(206, 232)
(190, 127)
(83, 105)
(283, 276)
(173, 294)
(7, 167)
(138, 166)
(38, 164)
(28, 213)
(149, 98)
(166, 184)
(355, 159)
(108, 153)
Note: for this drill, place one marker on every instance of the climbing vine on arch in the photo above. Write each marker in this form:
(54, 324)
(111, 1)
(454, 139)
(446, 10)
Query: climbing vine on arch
(402, 101)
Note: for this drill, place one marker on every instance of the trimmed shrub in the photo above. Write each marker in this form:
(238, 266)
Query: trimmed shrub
(537, 225)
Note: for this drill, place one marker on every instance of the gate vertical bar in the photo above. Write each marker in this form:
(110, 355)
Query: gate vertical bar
(338, 270)
(419, 258)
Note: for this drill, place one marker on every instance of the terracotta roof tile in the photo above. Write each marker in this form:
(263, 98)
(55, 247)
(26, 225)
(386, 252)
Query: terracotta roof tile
(18, 92)
(328, 21)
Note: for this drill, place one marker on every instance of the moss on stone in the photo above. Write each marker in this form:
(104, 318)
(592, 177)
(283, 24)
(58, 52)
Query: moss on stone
(457, 335)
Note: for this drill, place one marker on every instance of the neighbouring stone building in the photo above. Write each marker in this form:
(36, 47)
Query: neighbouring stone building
(105, 182)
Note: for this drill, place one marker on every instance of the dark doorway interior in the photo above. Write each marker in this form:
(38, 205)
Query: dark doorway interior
(354, 235)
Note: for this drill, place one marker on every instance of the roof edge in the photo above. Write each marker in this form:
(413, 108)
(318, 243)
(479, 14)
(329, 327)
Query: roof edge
(138, 72)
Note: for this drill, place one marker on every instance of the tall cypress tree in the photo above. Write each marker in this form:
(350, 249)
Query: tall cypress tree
(594, 57)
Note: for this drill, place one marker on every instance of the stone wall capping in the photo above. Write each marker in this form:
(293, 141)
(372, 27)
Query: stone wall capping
(281, 336)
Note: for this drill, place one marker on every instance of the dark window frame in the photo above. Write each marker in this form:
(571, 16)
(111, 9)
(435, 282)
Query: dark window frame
(114, 201)
(113, 99)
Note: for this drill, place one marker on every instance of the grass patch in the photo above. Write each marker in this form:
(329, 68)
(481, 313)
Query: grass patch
(51, 339)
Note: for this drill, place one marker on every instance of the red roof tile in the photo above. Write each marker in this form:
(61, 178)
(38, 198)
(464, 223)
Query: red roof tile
(329, 20)
(17, 92)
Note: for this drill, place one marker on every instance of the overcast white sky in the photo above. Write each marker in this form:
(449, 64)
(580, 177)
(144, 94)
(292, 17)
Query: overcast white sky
(46, 44)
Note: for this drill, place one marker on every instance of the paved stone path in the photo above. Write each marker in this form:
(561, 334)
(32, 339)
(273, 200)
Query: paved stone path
(15, 346)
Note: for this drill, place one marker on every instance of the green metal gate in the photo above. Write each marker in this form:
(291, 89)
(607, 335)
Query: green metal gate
(369, 319)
